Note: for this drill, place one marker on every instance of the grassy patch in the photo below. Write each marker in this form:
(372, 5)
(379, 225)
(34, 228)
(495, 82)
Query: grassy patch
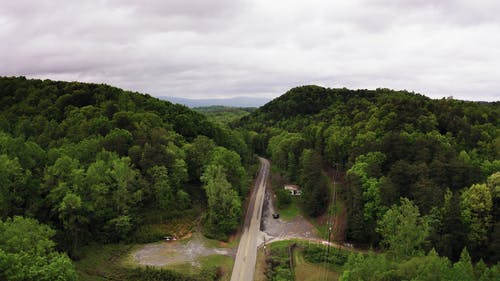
(322, 229)
(158, 224)
(308, 258)
(224, 263)
(278, 261)
(212, 243)
(102, 262)
(290, 211)
(221, 264)
(311, 272)
(260, 266)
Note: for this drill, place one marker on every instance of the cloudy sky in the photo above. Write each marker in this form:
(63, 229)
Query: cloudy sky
(225, 48)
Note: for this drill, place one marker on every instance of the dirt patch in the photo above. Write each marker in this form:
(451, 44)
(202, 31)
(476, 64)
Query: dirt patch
(177, 252)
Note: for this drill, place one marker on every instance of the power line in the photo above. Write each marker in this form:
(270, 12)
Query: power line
(330, 225)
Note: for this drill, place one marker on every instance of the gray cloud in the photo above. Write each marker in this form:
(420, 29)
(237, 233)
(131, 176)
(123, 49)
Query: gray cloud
(199, 48)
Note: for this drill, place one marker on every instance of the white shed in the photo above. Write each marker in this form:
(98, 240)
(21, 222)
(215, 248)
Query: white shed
(294, 189)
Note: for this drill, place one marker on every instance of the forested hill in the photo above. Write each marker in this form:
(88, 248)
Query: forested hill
(91, 163)
(29, 107)
(444, 155)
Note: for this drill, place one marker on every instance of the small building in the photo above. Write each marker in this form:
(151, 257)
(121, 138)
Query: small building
(294, 189)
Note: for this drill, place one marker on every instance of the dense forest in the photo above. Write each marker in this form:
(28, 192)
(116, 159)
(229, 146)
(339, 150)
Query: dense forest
(442, 155)
(83, 163)
(91, 164)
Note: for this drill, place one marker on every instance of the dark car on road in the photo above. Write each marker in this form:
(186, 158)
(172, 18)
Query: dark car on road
(276, 216)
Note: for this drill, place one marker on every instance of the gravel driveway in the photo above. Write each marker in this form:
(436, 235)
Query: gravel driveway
(278, 229)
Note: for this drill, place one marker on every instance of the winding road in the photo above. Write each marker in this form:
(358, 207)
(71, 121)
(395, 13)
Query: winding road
(244, 265)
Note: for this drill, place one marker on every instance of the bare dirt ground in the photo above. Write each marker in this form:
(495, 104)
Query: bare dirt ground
(176, 252)
(278, 229)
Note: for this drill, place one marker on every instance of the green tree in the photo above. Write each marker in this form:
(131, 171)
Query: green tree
(463, 269)
(163, 192)
(403, 230)
(224, 205)
(72, 215)
(425, 268)
(362, 178)
(338, 144)
(477, 204)
(27, 253)
(118, 140)
(366, 267)
(196, 156)
(14, 188)
(314, 183)
(230, 161)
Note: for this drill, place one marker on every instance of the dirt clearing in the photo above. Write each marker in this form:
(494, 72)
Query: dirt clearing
(177, 252)
(278, 229)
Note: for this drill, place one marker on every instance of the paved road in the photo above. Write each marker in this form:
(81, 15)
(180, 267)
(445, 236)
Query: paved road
(244, 265)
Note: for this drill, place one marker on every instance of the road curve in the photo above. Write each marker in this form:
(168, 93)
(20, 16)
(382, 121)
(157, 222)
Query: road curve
(244, 265)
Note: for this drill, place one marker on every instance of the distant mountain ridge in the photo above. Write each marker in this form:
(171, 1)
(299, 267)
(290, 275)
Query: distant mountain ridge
(232, 102)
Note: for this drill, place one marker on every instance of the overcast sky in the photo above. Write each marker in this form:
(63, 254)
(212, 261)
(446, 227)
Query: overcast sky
(226, 48)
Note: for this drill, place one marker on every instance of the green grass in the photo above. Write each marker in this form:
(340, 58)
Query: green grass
(212, 243)
(312, 272)
(102, 262)
(225, 263)
(260, 266)
(158, 224)
(290, 211)
(305, 269)
(322, 229)
(282, 244)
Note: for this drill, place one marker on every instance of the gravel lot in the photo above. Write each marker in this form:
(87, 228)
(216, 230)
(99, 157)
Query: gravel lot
(278, 229)
(166, 253)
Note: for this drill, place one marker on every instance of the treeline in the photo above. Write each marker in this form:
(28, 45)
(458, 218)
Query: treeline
(441, 154)
(90, 160)
(404, 234)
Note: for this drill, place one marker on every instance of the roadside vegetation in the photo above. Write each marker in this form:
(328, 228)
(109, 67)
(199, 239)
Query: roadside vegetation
(302, 260)
(403, 232)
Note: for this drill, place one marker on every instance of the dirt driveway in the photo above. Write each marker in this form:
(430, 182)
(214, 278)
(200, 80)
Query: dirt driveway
(278, 229)
(177, 252)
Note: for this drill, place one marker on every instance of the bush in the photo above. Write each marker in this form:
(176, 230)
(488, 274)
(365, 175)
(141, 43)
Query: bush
(149, 233)
(283, 198)
(278, 263)
(317, 254)
(155, 274)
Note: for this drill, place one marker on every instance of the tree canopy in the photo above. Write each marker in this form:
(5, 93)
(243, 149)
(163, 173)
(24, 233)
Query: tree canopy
(387, 144)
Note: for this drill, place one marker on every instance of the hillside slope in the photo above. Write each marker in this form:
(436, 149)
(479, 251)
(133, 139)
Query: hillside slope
(95, 162)
(390, 144)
